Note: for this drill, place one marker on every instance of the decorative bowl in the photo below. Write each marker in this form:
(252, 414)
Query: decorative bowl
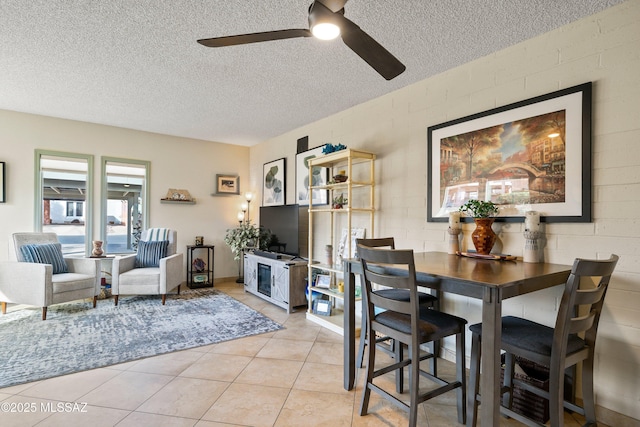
(340, 178)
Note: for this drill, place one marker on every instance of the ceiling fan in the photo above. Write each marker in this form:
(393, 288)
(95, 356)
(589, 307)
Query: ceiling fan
(326, 21)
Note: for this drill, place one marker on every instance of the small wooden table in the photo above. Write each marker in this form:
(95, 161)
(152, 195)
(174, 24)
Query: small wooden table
(488, 280)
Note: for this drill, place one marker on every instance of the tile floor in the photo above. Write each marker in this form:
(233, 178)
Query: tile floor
(290, 377)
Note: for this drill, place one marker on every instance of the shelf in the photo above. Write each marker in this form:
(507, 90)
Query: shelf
(342, 210)
(334, 322)
(332, 293)
(334, 268)
(341, 185)
(178, 202)
(342, 156)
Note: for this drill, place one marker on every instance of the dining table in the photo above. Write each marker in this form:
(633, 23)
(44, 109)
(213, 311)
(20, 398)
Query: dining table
(489, 280)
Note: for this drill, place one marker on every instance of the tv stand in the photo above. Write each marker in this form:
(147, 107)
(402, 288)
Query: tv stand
(281, 281)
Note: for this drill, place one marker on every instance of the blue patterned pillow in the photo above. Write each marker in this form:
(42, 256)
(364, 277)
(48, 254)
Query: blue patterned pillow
(150, 253)
(45, 253)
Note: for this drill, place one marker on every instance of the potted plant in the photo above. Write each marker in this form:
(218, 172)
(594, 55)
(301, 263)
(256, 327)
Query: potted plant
(483, 214)
(339, 202)
(246, 235)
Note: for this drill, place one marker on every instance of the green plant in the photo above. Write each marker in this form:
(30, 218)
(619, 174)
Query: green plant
(339, 202)
(246, 235)
(479, 209)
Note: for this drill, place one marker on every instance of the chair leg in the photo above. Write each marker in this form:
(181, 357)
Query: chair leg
(509, 372)
(461, 376)
(44, 313)
(371, 357)
(4, 307)
(474, 381)
(95, 301)
(556, 395)
(164, 298)
(363, 337)
(413, 383)
(115, 299)
(178, 289)
(588, 401)
(399, 356)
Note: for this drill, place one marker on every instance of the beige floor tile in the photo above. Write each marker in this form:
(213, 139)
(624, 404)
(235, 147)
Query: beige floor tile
(300, 331)
(128, 390)
(69, 388)
(184, 397)
(22, 411)
(203, 423)
(167, 364)
(321, 377)
(248, 405)
(214, 366)
(138, 419)
(249, 346)
(316, 409)
(94, 416)
(270, 372)
(327, 352)
(285, 349)
(325, 335)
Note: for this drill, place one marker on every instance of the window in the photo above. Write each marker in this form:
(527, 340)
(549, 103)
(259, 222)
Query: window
(124, 203)
(63, 198)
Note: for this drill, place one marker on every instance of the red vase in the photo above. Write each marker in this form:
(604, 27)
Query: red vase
(483, 236)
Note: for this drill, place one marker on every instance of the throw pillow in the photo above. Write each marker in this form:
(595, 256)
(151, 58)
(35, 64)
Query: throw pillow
(45, 253)
(150, 253)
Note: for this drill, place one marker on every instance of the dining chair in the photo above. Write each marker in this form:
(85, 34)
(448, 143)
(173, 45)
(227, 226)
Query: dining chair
(425, 299)
(557, 348)
(407, 323)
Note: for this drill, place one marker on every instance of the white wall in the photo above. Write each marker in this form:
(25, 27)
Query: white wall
(175, 163)
(604, 49)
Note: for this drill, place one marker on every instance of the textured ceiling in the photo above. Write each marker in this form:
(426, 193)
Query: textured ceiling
(136, 64)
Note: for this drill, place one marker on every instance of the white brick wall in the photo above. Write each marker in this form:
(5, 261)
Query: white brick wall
(604, 49)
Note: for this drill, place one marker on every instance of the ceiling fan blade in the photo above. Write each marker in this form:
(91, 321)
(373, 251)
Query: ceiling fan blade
(374, 54)
(333, 5)
(254, 37)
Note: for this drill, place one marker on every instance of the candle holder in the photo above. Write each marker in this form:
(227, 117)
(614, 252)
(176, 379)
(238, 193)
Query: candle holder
(531, 247)
(454, 242)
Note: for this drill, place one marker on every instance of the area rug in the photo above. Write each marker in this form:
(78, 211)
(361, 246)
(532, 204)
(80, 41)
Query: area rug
(76, 337)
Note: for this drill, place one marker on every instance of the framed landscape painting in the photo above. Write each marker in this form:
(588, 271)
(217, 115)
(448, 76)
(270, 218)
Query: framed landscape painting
(273, 183)
(319, 176)
(530, 155)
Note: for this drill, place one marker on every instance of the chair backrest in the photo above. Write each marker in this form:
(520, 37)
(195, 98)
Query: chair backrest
(580, 308)
(155, 234)
(380, 242)
(27, 238)
(392, 268)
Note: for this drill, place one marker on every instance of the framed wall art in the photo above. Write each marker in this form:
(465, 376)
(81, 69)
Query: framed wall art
(2, 183)
(530, 155)
(227, 184)
(319, 176)
(273, 183)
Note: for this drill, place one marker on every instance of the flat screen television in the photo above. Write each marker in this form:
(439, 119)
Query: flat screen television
(283, 222)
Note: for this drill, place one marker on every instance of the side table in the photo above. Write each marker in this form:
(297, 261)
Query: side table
(199, 275)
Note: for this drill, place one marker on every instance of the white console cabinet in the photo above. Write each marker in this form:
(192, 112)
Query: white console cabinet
(279, 281)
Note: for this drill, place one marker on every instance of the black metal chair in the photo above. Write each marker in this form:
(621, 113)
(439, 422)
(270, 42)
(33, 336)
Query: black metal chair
(407, 323)
(557, 348)
(385, 343)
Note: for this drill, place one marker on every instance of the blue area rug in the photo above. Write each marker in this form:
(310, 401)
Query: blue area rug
(76, 337)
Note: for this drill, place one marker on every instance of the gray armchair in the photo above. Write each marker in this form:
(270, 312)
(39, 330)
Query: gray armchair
(32, 283)
(140, 274)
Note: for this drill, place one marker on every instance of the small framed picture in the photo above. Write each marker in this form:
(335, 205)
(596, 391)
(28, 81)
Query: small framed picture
(323, 281)
(322, 307)
(227, 184)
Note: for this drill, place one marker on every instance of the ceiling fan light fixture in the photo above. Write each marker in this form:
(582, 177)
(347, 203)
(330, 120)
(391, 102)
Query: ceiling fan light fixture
(325, 31)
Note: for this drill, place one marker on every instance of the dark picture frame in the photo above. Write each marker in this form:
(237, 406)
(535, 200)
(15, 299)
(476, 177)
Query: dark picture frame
(530, 155)
(227, 184)
(274, 183)
(3, 187)
(320, 177)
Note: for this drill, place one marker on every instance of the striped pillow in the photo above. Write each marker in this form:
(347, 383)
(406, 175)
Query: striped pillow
(150, 253)
(45, 253)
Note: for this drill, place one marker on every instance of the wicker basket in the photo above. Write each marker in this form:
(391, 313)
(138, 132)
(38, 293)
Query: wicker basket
(527, 403)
